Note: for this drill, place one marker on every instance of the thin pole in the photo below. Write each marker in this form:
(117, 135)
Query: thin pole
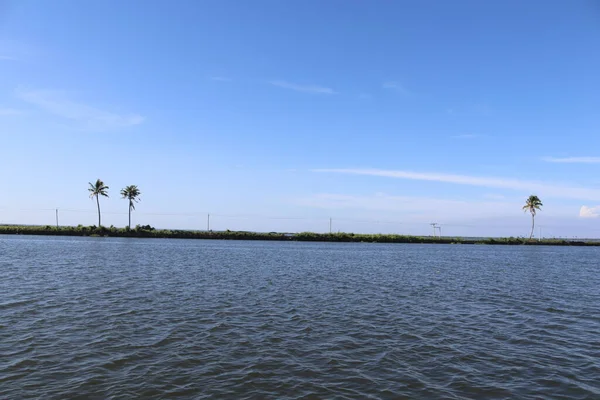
(433, 224)
(57, 217)
(208, 223)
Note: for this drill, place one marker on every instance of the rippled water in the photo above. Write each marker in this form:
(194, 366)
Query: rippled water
(98, 318)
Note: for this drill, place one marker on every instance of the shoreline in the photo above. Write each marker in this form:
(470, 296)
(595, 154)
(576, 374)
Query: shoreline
(149, 232)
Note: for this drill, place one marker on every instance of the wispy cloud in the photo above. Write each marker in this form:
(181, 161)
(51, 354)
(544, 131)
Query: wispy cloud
(573, 160)
(396, 86)
(12, 50)
(385, 202)
(494, 196)
(539, 188)
(86, 116)
(479, 109)
(220, 79)
(466, 136)
(589, 212)
(303, 88)
(420, 209)
(10, 111)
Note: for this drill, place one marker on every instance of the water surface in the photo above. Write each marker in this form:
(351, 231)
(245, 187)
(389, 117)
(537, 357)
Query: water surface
(98, 318)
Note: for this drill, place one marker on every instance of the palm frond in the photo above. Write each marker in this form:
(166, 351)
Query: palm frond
(532, 204)
(130, 192)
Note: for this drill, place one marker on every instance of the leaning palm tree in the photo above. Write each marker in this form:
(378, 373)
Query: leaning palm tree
(96, 190)
(131, 193)
(532, 204)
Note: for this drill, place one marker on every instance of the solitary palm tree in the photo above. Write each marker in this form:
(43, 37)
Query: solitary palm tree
(96, 190)
(131, 193)
(532, 204)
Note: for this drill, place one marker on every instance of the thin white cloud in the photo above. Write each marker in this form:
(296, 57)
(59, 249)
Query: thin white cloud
(466, 136)
(10, 111)
(303, 88)
(589, 212)
(573, 160)
(220, 79)
(422, 209)
(480, 109)
(393, 85)
(539, 188)
(384, 202)
(12, 50)
(494, 196)
(86, 116)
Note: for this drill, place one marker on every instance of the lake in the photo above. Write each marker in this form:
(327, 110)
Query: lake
(99, 318)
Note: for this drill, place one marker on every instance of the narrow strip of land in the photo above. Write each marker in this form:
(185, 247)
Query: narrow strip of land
(150, 232)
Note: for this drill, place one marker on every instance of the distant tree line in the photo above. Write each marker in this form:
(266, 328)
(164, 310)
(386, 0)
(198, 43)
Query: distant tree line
(147, 231)
(132, 194)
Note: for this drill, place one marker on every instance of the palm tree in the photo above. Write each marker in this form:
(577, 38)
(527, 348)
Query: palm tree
(131, 193)
(96, 190)
(532, 204)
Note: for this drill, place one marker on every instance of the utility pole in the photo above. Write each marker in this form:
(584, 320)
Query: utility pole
(208, 223)
(330, 226)
(57, 218)
(434, 225)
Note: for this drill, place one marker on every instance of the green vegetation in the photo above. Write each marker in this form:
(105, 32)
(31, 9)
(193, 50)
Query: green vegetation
(131, 193)
(147, 231)
(532, 204)
(96, 190)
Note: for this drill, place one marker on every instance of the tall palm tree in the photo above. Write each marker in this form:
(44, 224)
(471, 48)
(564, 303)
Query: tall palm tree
(131, 193)
(532, 204)
(96, 190)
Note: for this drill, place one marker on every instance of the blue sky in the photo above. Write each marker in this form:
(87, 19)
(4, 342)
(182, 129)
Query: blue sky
(278, 115)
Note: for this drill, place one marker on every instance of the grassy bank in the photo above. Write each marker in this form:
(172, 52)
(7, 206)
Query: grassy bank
(150, 232)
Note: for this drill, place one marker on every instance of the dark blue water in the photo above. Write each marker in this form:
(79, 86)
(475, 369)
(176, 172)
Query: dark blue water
(100, 318)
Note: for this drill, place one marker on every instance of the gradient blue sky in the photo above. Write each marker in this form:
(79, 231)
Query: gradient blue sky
(277, 115)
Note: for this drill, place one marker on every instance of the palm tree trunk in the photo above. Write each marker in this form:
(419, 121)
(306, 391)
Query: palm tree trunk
(98, 202)
(130, 214)
(532, 225)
